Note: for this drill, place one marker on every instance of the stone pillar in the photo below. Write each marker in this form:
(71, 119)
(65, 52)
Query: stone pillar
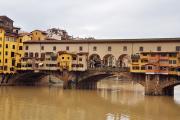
(152, 85)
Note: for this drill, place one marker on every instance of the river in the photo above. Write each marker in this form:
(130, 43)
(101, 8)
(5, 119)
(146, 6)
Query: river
(125, 101)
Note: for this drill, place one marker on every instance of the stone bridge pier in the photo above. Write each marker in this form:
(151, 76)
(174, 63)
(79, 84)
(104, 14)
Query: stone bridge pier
(159, 85)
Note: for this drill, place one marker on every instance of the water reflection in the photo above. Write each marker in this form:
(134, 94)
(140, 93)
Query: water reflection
(111, 116)
(53, 103)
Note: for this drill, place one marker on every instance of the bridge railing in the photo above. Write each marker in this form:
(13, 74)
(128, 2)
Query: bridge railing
(110, 69)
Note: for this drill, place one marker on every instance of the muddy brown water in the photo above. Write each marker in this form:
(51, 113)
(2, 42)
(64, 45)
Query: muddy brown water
(125, 101)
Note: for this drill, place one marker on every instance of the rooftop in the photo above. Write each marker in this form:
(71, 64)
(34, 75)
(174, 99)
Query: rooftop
(146, 40)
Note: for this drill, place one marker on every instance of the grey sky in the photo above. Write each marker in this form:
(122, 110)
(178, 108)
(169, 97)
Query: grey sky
(98, 18)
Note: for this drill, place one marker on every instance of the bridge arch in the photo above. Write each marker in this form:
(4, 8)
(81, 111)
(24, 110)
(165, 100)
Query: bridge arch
(109, 60)
(123, 60)
(94, 61)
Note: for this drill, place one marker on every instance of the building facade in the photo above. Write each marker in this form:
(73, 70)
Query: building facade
(9, 51)
(106, 53)
(38, 35)
(162, 63)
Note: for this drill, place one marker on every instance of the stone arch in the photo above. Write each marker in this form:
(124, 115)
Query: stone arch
(94, 61)
(109, 60)
(123, 60)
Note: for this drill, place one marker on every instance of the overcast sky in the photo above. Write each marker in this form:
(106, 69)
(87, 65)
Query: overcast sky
(98, 18)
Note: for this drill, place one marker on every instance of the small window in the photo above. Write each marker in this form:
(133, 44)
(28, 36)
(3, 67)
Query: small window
(42, 47)
(109, 48)
(174, 61)
(67, 47)
(31, 55)
(54, 48)
(141, 49)
(20, 47)
(20, 40)
(159, 48)
(12, 54)
(6, 53)
(74, 58)
(125, 48)
(6, 45)
(13, 47)
(80, 48)
(80, 59)
(177, 48)
(27, 47)
(36, 55)
(42, 55)
(25, 54)
(63, 58)
(94, 48)
(6, 61)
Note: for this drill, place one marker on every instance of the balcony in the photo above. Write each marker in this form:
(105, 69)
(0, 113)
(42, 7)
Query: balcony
(156, 57)
(163, 57)
(153, 71)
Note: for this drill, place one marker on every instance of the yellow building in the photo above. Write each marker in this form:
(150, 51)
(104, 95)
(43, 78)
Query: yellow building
(65, 60)
(8, 45)
(165, 63)
(22, 37)
(38, 35)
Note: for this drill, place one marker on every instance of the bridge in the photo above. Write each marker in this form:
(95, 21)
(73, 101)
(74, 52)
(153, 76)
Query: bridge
(156, 84)
(81, 80)
(153, 84)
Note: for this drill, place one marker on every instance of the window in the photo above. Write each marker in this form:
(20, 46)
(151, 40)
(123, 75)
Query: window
(42, 47)
(109, 48)
(80, 59)
(125, 48)
(74, 58)
(141, 49)
(54, 48)
(12, 54)
(67, 47)
(80, 48)
(36, 55)
(42, 55)
(177, 48)
(0, 45)
(0, 38)
(25, 54)
(20, 47)
(94, 48)
(159, 48)
(6, 45)
(31, 54)
(63, 58)
(27, 47)
(6, 61)
(6, 53)
(20, 40)
(13, 47)
(143, 68)
(150, 67)
(174, 61)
